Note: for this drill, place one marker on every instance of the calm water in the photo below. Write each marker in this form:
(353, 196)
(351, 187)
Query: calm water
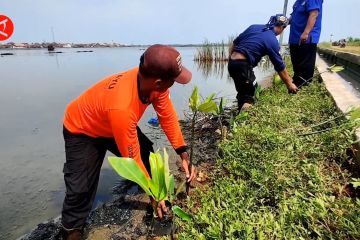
(35, 89)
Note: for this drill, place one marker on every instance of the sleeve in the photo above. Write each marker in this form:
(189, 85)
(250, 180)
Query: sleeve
(314, 5)
(169, 121)
(123, 125)
(273, 50)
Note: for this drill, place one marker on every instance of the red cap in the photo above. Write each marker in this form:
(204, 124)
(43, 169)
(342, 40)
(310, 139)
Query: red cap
(164, 62)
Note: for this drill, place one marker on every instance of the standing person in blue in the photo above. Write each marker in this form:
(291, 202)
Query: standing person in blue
(305, 31)
(248, 49)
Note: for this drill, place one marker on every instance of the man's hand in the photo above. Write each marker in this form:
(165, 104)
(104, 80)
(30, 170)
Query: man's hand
(160, 208)
(185, 163)
(304, 37)
(292, 88)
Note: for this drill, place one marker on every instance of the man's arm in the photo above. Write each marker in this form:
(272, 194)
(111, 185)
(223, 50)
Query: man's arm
(309, 26)
(276, 59)
(285, 77)
(170, 124)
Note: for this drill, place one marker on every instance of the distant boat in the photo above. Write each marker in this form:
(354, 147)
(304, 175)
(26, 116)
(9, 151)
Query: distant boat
(51, 48)
(85, 51)
(6, 54)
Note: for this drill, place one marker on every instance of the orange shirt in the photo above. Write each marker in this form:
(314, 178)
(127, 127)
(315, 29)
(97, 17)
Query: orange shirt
(112, 108)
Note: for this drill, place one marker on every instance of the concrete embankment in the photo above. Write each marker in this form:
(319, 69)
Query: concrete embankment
(343, 93)
(350, 61)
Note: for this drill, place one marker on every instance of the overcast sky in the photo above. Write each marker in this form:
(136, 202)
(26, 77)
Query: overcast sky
(159, 21)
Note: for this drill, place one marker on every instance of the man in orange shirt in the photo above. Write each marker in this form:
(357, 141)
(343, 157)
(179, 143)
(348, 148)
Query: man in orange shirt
(105, 117)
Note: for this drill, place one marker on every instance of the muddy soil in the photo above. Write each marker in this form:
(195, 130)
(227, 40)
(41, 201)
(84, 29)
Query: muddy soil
(128, 215)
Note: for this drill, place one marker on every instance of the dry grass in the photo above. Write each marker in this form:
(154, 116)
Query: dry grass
(348, 48)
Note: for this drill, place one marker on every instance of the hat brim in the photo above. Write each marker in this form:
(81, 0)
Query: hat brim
(184, 77)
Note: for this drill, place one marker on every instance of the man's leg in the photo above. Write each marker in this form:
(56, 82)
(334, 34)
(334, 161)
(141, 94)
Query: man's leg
(303, 59)
(84, 158)
(310, 60)
(244, 80)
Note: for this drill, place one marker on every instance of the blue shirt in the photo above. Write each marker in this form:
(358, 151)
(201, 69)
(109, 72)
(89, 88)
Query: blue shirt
(257, 41)
(299, 19)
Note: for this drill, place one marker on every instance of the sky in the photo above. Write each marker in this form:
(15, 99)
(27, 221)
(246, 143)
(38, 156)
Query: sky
(160, 21)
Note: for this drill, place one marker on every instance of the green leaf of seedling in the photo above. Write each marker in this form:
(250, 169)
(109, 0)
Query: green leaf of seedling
(331, 67)
(171, 189)
(210, 98)
(220, 109)
(258, 91)
(154, 182)
(166, 169)
(208, 107)
(194, 100)
(129, 169)
(180, 188)
(336, 69)
(181, 213)
(161, 170)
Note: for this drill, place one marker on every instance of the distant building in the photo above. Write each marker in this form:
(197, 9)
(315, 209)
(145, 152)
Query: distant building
(67, 45)
(19, 45)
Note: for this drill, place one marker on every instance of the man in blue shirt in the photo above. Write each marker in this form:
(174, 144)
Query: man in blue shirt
(304, 36)
(248, 49)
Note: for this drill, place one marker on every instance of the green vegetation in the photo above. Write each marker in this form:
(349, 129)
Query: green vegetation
(353, 41)
(196, 106)
(210, 52)
(160, 186)
(272, 183)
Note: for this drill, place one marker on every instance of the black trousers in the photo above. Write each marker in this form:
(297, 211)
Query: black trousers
(303, 59)
(84, 158)
(244, 78)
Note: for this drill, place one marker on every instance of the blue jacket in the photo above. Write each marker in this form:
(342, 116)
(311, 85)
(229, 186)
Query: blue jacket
(257, 41)
(299, 19)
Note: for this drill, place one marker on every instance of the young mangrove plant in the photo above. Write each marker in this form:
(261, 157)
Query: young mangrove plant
(196, 106)
(160, 186)
(220, 112)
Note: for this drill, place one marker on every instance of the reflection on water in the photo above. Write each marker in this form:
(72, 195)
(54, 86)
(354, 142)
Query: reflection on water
(212, 68)
(219, 68)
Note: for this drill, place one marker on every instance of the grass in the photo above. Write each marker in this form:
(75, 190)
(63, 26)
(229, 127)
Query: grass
(272, 184)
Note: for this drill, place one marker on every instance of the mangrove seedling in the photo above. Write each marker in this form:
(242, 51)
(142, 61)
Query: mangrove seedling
(196, 106)
(161, 184)
(220, 113)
